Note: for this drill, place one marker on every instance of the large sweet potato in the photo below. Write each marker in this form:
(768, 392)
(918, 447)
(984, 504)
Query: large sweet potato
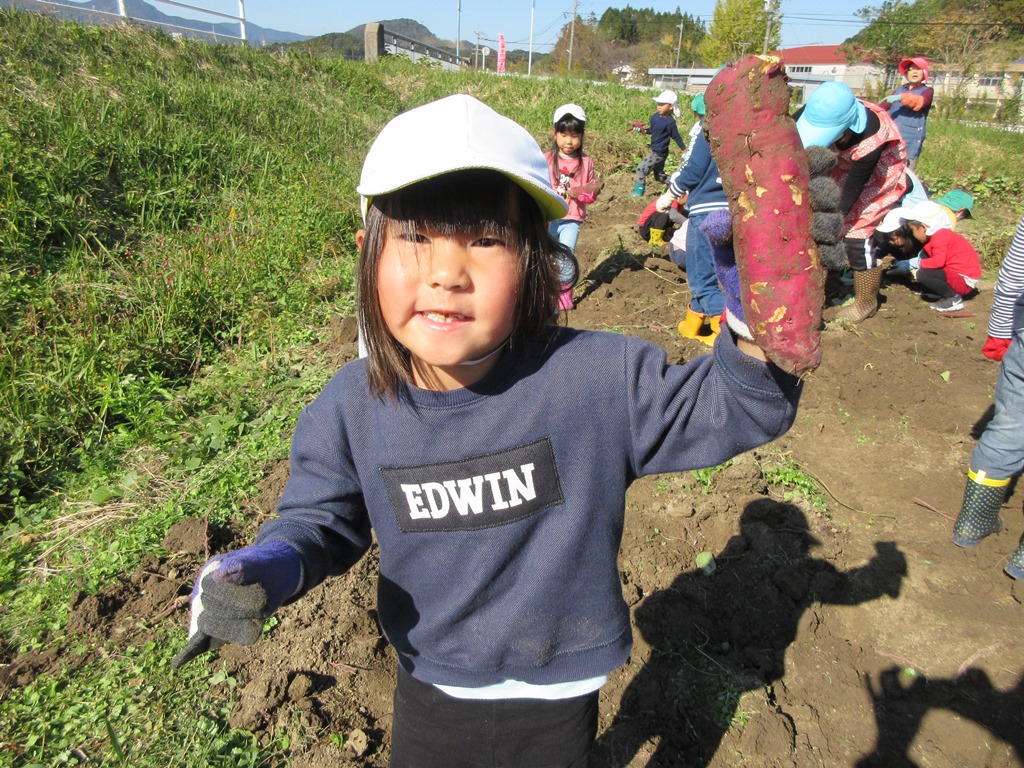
(765, 175)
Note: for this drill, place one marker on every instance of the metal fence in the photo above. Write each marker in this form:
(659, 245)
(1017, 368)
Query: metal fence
(122, 15)
(378, 42)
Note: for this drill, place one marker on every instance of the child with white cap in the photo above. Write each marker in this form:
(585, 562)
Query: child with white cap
(949, 266)
(487, 450)
(662, 129)
(574, 179)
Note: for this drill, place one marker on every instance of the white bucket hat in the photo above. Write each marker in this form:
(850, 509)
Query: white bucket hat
(575, 110)
(668, 97)
(454, 134)
(930, 214)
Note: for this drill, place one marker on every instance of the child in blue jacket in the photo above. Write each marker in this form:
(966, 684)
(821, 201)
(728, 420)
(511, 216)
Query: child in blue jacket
(662, 130)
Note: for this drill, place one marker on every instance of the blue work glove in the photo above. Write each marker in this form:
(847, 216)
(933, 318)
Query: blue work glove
(894, 98)
(235, 592)
(717, 227)
(905, 266)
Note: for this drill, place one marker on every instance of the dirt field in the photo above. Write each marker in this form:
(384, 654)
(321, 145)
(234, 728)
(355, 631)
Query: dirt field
(849, 637)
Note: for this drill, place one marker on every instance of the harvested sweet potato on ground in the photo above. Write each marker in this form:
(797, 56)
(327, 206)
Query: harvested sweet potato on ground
(764, 172)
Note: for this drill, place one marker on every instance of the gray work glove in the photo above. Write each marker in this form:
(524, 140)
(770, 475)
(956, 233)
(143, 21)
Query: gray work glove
(826, 220)
(235, 592)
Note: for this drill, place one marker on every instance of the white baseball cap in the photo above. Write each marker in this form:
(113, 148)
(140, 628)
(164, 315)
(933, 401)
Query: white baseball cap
(668, 97)
(456, 133)
(892, 221)
(570, 109)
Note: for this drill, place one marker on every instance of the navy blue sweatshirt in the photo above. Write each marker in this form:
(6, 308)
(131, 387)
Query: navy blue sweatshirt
(663, 129)
(498, 508)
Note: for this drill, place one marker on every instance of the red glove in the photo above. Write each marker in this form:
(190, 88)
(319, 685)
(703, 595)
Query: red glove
(913, 100)
(994, 348)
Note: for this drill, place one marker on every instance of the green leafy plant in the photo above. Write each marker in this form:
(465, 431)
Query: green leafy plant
(706, 477)
(781, 471)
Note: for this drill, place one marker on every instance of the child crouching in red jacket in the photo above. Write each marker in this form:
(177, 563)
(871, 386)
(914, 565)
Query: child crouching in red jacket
(949, 265)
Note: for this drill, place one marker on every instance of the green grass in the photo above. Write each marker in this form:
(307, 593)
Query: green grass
(177, 225)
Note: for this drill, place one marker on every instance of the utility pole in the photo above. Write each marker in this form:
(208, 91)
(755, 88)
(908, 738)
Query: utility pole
(572, 35)
(529, 60)
(458, 31)
(476, 51)
(767, 26)
(679, 45)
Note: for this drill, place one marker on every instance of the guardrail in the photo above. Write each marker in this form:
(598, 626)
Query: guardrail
(378, 42)
(123, 15)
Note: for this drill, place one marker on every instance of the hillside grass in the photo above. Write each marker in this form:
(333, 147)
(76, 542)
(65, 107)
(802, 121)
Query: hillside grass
(177, 227)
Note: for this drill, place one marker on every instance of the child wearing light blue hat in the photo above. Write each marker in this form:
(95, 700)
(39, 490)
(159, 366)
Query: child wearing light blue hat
(870, 172)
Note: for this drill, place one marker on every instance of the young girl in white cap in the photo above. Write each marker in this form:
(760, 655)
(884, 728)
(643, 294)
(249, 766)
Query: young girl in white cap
(662, 130)
(487, 450)
(574, 179)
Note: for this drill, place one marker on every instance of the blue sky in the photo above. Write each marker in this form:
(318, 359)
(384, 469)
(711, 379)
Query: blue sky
(806, 22)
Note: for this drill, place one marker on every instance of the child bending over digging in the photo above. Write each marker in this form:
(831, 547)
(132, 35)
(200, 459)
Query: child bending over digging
(949, 266)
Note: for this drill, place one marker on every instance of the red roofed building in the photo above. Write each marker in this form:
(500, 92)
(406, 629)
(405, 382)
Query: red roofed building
(819, 63)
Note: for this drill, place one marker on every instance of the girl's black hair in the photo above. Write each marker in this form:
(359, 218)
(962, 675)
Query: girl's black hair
(460, 201)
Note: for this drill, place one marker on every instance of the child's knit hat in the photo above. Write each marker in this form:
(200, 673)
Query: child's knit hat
(456, 133)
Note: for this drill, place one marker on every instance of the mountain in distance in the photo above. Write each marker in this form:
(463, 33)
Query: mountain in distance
(142, 11)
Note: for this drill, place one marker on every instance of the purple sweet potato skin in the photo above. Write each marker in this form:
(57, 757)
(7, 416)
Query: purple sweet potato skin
(764, 172)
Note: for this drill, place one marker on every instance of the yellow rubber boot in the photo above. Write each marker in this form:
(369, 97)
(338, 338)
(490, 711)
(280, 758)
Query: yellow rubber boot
(691, 325)
(713, 329)
(657, 238)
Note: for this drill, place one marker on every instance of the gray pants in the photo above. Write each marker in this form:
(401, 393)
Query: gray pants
(651, 163)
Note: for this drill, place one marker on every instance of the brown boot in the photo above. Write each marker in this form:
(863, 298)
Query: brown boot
(865, 296)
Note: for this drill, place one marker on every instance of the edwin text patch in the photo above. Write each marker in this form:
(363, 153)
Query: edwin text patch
(476, 493)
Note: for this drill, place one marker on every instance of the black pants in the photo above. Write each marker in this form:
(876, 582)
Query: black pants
(934, 280)
(657, 220)
(434, 730)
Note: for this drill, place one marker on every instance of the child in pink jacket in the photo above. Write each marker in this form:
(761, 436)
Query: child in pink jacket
(572, 177)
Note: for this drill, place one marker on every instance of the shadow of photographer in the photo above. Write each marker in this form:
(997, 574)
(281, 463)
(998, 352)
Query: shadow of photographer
(714, 638)
(901, 701)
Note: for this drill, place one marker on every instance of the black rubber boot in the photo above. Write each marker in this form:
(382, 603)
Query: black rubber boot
(1015, 567)
(979, 516)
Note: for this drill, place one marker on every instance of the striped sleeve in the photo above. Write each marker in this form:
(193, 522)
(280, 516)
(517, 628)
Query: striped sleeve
(1009, 287)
